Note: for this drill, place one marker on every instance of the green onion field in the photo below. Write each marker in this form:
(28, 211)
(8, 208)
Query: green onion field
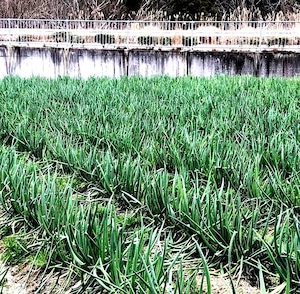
(153, 185)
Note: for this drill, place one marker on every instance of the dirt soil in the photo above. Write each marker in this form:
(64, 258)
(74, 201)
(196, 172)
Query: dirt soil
(22, 279)
(25, 279)
(18, 281)
(221, 285)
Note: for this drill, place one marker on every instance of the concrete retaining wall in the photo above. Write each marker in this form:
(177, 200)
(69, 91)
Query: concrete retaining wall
(84, 63)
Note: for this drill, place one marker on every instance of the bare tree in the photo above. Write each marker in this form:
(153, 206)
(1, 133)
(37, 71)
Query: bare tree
(144, 9)
(30, 9)
(266, 7)
(151, 10)
(74, 9)
(94, 9)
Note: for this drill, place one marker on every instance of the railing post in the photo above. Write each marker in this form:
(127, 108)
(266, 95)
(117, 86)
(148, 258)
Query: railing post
(67, 32)
(260, 34)
(192, 34)
(127, 37)
(9, 31)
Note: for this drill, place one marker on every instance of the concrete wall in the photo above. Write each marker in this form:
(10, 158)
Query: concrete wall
(84, 63)
(150, 62)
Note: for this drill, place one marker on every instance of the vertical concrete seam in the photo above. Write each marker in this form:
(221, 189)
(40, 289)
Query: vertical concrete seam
(257, 56)
(8, 59)
(126, 61)
(66, 56)
(187, 63)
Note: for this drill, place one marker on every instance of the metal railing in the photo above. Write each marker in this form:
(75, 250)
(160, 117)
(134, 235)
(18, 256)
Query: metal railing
(190, 35)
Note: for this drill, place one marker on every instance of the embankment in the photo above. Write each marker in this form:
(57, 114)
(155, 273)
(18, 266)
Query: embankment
(84, 63)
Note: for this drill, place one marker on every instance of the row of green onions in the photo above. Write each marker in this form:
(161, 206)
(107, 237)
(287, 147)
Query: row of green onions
(214, 159)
